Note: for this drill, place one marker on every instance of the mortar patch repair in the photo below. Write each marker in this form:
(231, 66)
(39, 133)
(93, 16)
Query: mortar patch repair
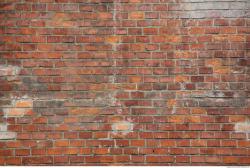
(122, 127)
(243, 127)
(9, 73)
(4, 133)
(19, 107)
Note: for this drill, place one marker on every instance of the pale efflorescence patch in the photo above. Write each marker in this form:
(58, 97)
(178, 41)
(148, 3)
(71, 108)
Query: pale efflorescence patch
(19, 106)
(9, 70)
(11, 73)
(123, 127)
(243, 127)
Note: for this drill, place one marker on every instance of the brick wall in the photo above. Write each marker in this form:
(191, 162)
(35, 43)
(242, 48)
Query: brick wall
(124, 82)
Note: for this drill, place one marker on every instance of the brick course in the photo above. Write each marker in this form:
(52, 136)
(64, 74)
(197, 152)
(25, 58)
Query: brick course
(124, 82)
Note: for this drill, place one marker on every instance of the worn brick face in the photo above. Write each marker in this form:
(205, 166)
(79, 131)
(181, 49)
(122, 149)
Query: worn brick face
(124, 82)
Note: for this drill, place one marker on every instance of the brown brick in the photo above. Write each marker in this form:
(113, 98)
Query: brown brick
(132, 82)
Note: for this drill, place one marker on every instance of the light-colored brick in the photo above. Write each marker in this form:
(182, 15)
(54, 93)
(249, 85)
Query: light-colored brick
(9, 70)
(3, 127)
(7, 135)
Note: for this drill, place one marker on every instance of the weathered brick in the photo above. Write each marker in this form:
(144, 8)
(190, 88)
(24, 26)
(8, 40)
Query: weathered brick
(136, 15)
(7, 135)
(9, 70)
(132, 82)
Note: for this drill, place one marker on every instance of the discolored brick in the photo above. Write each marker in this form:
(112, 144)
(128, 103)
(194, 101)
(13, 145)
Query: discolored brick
(124, 82)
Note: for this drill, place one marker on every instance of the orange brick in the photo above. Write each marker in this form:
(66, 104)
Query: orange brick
(112, 39)
(214, 62)
(237, 38)
(171, 103)
(61, 143)
(221, 70)
(85, 111)
(197, 30)
(193, 119)
(180, 78)
(230, 159)
(198, 111)
(135, 79)
(173, 39)
(136, 15)
(24, 103)
(176, 119)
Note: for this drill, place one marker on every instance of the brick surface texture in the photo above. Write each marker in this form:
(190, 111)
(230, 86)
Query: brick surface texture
(124, 82)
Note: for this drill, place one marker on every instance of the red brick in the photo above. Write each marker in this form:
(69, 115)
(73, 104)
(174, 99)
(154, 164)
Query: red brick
(13, 161)
(61, 143)
(159, 159)
(22, 152)
(136, 82)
